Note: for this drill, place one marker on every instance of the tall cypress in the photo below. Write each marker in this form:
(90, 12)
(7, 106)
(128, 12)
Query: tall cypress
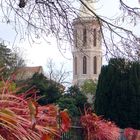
(118, 93)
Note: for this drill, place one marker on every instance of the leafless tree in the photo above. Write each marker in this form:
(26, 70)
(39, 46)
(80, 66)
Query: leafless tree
(55, 17)
(19, 55)
(57, 74)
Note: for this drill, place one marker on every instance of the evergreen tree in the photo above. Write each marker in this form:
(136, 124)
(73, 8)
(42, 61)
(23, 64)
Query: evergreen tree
(6, 58)
(118, 93)
(9, 60)
(49, 91)
(74, 100)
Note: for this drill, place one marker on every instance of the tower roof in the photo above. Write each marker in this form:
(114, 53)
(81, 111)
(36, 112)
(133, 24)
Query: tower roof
(84, 12)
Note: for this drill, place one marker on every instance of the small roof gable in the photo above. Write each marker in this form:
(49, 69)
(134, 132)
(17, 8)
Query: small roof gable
(35, 69)
(24, 73)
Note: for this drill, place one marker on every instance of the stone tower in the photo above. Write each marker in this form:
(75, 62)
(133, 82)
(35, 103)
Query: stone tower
(87, 51)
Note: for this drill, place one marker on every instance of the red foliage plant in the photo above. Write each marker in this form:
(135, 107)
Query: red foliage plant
(132, 134)
(96, 128)
(66, 121)
(24, 119)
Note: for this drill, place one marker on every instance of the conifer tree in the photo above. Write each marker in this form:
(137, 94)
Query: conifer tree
(9, 60)
(118, 93)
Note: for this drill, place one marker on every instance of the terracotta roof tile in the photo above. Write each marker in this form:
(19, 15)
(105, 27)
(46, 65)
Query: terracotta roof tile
(29, 69)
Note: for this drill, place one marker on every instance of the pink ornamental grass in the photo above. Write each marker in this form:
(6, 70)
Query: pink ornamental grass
(24, 119)
(97, 128)
(132, 134)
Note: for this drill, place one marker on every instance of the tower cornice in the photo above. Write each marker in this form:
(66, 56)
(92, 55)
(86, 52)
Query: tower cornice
(84, 11)
(84, 20)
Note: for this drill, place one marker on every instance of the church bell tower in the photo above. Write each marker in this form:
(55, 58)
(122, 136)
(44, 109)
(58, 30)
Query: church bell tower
(87, 50)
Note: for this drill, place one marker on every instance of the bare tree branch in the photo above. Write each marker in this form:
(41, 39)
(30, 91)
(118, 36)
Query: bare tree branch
(59, 75)
(37, 17)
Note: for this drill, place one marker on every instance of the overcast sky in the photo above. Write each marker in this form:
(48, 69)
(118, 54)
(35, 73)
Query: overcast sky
(38, 54)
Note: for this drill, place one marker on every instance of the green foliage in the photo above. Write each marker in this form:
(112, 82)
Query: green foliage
(74, 100)
(11, 86)
(49, 91)
(81, 99)
(118, 93)
(8, 60)
(73, 90)
(70, 104)
(89, 86)
(6, 57)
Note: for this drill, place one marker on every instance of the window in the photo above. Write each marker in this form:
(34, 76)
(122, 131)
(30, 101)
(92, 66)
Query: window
(84, 36)
(99, 35)
(75, 37)
(75, 65)
(95, 65)
(84, 65)
(94, 37)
